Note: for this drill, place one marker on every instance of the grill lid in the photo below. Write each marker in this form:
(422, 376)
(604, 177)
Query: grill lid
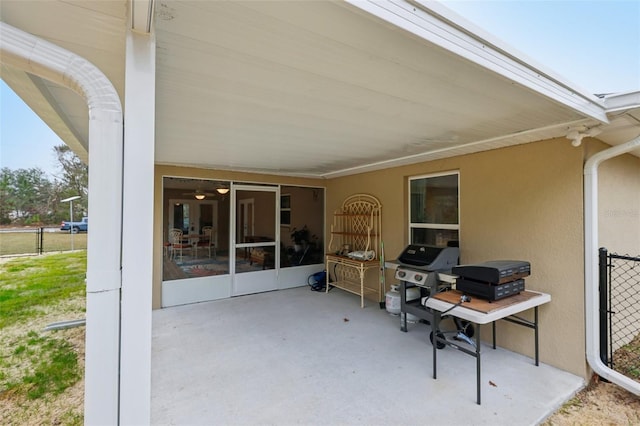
(429, 258)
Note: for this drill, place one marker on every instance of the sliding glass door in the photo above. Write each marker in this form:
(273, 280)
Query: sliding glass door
(237, 238)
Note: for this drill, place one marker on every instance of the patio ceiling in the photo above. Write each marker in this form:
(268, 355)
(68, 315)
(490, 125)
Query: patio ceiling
(316, 89)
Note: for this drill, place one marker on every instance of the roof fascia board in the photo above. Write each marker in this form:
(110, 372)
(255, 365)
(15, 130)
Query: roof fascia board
(438, 25)
(622, 101)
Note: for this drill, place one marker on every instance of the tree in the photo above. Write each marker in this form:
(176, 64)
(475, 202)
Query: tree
(25, 194)
(74, 177)
(29, 196)
(6, 191)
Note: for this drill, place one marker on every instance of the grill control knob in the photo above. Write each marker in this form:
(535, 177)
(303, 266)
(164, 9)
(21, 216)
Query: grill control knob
(402, 274)
(418, 277)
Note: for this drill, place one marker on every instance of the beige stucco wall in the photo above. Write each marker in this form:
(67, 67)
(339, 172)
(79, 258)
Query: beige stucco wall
(619, 203)
(522, 202)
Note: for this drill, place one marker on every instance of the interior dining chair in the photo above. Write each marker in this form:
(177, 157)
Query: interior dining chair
(207, 240)
(177, 243)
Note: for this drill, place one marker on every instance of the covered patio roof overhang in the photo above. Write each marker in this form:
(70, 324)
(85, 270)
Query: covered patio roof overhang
(331, 88)
(313, 89)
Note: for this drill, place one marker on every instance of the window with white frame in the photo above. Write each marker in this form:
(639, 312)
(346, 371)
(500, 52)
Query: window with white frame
(285, 210)
(434, 215)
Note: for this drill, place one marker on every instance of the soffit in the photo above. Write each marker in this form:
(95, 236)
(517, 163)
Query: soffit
(316, 89)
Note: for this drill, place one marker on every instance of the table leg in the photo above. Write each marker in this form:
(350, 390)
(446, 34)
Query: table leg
(529, 324)
(493, 328)
(535, 330)
(434, 343)
(361, 286)
(403, 301)
(328, 277)
(478, 363)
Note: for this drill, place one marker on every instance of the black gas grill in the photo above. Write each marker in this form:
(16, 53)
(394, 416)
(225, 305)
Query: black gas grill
(417, 260)
(429, 258)
(419, 266)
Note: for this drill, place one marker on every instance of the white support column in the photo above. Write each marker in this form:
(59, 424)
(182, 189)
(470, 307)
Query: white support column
(137, 238)
(41, 58)
(103, 267)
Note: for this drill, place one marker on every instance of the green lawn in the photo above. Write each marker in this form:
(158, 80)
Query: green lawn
(29, 285)
(40, 371)
(12, 243)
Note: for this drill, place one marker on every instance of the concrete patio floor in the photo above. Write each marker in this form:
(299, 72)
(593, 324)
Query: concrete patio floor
(302, 357)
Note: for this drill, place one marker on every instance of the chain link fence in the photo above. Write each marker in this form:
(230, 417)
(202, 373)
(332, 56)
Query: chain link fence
(29, 241)
(620, 312)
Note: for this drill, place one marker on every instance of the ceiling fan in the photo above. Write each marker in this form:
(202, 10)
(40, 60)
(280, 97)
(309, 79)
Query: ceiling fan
(199, 195)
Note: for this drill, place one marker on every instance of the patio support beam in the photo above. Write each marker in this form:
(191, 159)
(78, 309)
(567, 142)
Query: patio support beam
(591, 265)
(142, 15)
(137, 227)
(46, 60)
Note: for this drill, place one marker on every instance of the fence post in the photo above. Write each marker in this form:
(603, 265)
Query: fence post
(37, 240)
(41, 246)
(604, 298)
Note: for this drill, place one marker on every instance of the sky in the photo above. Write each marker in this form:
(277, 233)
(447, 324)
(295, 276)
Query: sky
(25, 141)
(593, 44)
